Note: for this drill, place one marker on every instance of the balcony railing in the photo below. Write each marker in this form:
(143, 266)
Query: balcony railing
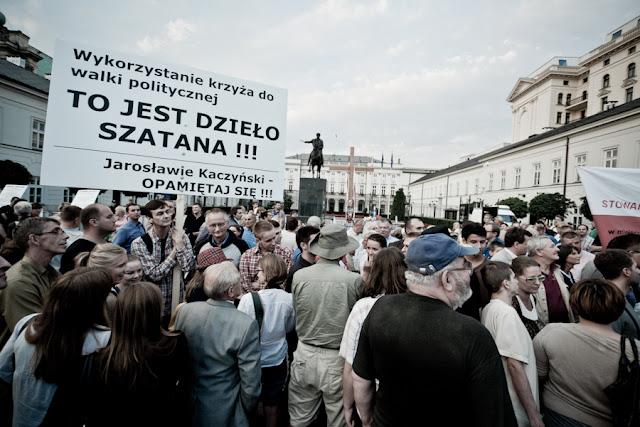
(574, 101)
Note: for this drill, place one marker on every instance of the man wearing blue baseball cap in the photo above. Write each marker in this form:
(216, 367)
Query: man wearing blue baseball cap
(433, 364)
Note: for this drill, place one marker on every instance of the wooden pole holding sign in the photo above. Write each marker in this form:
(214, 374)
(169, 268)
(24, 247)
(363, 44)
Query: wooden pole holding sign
(177, 269)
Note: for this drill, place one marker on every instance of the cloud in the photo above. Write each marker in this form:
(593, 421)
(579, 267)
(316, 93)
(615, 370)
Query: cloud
(176, 32)
(397, 49)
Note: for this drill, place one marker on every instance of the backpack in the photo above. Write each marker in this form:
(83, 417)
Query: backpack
(146, 238)
(625, 391)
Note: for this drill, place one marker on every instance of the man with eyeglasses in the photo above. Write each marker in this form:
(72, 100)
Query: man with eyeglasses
(476, 235)
(433, 364)
(29, 280)
(233, 247)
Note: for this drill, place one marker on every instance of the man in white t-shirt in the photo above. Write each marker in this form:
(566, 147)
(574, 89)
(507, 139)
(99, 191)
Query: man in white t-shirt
(513, 342)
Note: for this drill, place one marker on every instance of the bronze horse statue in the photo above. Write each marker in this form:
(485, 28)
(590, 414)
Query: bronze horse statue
(315, 158)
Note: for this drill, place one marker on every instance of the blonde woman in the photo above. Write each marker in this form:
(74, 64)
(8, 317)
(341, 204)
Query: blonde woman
(112, 258)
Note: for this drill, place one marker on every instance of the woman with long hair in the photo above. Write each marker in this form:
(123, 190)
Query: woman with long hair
(278, 319)
(141, 373)
(112, 258)
(568, 256)
(386, 278)
(375, 243)
(44, 356)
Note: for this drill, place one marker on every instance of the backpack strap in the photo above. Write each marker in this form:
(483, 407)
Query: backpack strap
(146, 238)
(257, 303)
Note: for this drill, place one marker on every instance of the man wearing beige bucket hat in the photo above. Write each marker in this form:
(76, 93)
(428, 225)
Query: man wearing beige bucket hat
(323, 296)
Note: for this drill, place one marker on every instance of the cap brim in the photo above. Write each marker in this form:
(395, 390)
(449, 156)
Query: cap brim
(466, 249)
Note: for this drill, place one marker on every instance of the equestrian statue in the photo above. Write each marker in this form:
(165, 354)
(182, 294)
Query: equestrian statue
(315, 158)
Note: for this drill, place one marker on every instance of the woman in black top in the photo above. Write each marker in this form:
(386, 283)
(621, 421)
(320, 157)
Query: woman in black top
(139, 378)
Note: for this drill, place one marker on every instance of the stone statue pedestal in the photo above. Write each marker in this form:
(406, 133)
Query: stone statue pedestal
(311, 198)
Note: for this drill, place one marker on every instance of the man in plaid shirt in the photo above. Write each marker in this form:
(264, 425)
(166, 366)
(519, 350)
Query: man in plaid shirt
(266, 244)
(170, 246)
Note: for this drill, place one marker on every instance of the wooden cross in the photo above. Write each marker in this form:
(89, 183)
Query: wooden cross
(352, 169)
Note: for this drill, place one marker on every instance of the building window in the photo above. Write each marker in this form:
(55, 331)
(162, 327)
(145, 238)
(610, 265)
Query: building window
(607, 62)
(37, 134)
(629, 94)
(393, 190)
(567, 117)
(466, 187)
(605, 81)
(566, 82)
(584, 95)
(559, 117)
(536, 174)
(562, 62)
(631, 70)
(342, 187)
(581, 160)
(503, 179)
(457, 188)
(568, 99)
(490, 182)
(605, 101)
(290, 185)
(332, 188)
(361, 188)
(611, 158)
(516, 183)
(632, 50)
(477, 185)
(583, 114)
(35, 190)
(615, 36)
(555, 167)
(384, 190)
(360, 205)
(374, 189)
(560, 99)
(586, 79)
(66, 195)
(382, 208)
(375, 175)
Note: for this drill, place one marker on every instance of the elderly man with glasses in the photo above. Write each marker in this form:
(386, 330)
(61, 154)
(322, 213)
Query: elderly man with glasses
(29, 280)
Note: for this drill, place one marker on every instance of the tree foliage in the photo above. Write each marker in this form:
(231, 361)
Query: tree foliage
(585, 209)
(13, 173)
(397, 208)
(519, 207)
(287, 201)
(549, 205)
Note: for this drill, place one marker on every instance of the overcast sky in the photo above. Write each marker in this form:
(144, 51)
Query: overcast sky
(426, 80)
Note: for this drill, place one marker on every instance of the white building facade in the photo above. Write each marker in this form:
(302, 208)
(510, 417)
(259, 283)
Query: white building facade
(554, 134)
(375, 183)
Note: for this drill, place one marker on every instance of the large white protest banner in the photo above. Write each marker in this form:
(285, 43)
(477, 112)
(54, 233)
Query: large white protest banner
(10, 191)
(117, 121)
(614, 199)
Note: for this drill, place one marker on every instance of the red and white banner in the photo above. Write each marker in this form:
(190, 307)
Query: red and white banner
(614, 199)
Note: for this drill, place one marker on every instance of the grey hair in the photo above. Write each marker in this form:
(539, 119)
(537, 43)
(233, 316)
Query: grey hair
(358, 221)
(536, 243)
(22, 208)
(428, 280)
(368, 226)
(386, 221)
(28, 227)
(217, 211)
(219, 278)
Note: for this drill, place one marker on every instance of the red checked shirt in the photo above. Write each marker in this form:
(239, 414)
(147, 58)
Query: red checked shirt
(249, 264)
(161, 272)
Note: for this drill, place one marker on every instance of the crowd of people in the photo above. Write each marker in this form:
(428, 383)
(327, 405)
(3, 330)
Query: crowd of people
(282, 322)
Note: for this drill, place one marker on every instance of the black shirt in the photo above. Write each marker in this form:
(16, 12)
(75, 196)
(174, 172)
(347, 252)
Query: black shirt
(299, 265)
(435, 366)
(67, 263)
